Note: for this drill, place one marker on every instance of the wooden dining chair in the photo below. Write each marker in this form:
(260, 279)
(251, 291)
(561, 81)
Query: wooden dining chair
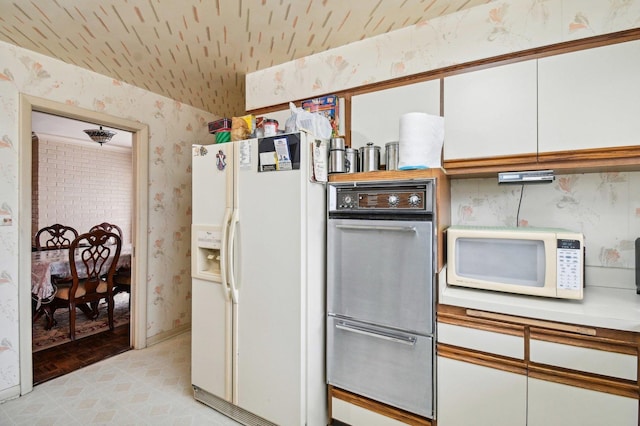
(56, 236)
(122, 279)
(92, 258)
(52, 237)
(109, 227)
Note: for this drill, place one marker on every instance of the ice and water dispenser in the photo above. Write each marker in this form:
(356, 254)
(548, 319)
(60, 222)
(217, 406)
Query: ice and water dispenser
(206, 252)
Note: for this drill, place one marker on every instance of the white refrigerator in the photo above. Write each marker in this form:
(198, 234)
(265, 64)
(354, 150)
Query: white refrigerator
(258, 281)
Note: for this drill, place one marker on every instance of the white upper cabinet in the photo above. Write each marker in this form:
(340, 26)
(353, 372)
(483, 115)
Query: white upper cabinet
(375, 116)
(590, 98)
(491, 112)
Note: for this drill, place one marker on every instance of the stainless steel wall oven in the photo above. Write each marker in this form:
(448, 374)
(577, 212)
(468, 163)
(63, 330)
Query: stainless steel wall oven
(380, 291)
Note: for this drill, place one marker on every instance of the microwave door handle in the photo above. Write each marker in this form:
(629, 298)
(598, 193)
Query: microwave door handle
(378, 228)
(377, 334)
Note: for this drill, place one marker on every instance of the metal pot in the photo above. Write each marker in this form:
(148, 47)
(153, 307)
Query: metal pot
(369, 158)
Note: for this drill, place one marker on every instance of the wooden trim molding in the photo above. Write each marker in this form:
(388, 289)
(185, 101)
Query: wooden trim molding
(377, 407)
(605, 340)
(497, 362)
(458, 316)
(532, 322)
(624, 158)
(584, 380)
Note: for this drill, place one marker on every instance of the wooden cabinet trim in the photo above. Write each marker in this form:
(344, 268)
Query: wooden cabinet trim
(615, 341)
(497, 362)
(584, 380)
(626, 158)
(589, 331)
(377, 407)
(481, 324)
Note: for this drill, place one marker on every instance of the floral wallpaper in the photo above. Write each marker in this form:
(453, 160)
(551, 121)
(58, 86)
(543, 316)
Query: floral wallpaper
(602, 206)
(497, 28)
(173, 127)
(605, 207)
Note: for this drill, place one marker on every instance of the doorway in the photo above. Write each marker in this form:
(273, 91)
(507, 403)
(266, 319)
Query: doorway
(140, 145)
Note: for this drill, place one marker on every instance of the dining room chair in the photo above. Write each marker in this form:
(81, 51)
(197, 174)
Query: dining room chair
(92, 257)
(53, 237)
(122, 279)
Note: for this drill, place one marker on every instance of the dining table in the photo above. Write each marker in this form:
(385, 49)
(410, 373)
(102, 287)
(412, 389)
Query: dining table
(48, 263)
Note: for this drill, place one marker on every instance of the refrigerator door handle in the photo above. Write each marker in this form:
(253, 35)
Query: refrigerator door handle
(411, 341)
(230, 249)
(378, 228)
(225, 254)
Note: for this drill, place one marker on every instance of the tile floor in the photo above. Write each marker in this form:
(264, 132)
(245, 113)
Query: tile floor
(151, 386)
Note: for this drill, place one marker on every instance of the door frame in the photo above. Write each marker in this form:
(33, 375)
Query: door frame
(140, 153)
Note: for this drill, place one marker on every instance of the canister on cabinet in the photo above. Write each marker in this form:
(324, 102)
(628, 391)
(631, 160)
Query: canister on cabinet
(336, 155)
(391, 155)
(369, 158)
(351, 160)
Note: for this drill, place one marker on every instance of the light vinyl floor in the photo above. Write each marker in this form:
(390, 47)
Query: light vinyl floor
(151, 386)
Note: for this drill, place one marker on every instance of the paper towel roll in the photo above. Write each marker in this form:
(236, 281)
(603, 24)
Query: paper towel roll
(420, 141)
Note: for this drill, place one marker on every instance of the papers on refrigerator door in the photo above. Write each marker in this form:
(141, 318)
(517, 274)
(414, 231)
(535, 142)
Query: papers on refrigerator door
(282, 154)
(320, 155)
(277, 160)
(245, 154)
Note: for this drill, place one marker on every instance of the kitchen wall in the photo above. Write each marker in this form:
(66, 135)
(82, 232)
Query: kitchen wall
(81, 184)
(497, 28)
(173, 127)
(604, 207)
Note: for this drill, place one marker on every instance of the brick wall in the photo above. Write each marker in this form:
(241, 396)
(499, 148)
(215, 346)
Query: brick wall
(81, 185)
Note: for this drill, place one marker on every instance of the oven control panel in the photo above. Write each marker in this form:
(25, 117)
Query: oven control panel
(384, 198)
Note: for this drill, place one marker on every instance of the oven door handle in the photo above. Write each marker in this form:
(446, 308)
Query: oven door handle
(378, 228)
(411, 341)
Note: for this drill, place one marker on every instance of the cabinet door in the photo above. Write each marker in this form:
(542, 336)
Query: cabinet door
(559, 404)
(375, 116)
(491, 112)
(358, 416)
(470, 394)
(590, 98)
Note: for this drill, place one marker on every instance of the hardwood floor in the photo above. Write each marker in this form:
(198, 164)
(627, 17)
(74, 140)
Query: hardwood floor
(59, 360)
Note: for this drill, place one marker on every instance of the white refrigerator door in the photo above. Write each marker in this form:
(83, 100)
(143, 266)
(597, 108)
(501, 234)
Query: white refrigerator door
(211, 327)
(269, 270)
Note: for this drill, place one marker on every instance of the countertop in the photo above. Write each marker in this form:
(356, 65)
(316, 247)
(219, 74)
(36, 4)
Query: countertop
(612, 308)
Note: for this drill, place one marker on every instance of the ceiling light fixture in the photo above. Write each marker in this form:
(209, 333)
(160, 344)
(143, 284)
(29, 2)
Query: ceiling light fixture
(100, 135)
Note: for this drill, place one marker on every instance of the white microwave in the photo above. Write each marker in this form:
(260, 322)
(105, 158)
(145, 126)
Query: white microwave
(532, 261)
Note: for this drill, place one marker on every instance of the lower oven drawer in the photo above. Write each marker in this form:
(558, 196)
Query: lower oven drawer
(385, 365)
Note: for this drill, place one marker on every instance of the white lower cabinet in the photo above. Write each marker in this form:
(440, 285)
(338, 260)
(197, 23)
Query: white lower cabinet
(354, 415)
(567, 376)
(470, 394)
(551, 404)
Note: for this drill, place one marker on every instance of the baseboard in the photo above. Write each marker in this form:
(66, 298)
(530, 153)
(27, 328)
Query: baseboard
(157, 338)
(9, 393)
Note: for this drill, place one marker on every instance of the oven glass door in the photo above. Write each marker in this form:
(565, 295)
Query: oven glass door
(381, 272)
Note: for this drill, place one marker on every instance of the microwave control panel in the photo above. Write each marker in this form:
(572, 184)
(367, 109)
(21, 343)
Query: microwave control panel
(569, 264)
